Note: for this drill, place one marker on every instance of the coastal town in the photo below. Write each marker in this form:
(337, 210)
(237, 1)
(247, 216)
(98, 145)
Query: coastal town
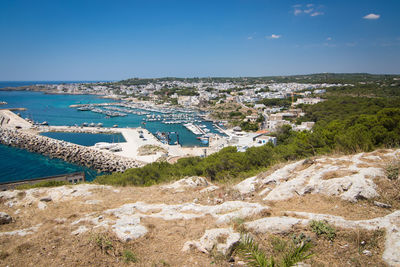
(235, 112)
(199, 133)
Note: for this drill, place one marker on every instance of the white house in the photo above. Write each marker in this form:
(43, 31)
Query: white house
(308, 101)
(263, 139)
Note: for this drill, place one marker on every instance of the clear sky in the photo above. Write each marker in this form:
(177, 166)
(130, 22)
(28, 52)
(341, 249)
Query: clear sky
(116, 39)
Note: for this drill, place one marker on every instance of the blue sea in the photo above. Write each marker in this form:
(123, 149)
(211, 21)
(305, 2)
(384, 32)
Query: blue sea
(18, 164)
(86, 139)
(56, 111)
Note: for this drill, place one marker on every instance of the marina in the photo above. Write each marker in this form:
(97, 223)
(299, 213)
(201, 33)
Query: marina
(62, 110)
(138, 124)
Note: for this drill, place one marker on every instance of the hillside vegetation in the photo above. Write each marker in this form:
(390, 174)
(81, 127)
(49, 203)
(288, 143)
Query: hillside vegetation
(344, 124)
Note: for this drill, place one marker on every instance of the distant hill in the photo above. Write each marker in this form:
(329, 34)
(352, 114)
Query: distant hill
(307, 78)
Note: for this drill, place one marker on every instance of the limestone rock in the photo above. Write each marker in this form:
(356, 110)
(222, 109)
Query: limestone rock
(128, 228)
(80, 230)
(208, 189)
(367, 252)
(54, 194)
(46, 199)
(348, 177)
(281, 174)
(382, 205)
(23, 232)
(275, 225)
(247, 186)
(223, 213)
(42, 206)
(188, 182)
(5, 218)
(223, 239)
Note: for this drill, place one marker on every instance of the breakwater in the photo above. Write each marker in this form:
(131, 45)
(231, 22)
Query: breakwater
(89, 157)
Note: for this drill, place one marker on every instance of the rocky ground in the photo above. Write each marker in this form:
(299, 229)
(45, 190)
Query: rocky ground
(192, 222)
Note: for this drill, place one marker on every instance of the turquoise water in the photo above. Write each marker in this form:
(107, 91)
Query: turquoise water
(18, 164)
(85, 139)
(56, 111)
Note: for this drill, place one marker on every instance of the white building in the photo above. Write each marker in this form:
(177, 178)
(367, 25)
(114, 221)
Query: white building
(304, 126)
(308, 101)
(264, 139)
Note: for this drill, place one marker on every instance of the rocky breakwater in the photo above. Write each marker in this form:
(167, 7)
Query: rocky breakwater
(89, 157)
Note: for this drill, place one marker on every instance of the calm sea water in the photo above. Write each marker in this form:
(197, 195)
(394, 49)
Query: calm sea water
(18, 164)
(56, 111)
(86, 139)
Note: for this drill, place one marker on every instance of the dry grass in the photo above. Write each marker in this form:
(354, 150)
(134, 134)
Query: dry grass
(316, 203)
(345, 250)
(54, 245)
(389, 192)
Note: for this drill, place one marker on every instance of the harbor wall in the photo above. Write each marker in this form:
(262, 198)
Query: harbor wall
(99, 160)
(72, 178)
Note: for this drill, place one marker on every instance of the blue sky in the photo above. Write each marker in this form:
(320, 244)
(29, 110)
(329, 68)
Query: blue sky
(115, 39)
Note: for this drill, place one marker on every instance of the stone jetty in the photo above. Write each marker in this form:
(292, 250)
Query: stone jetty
(86, 156)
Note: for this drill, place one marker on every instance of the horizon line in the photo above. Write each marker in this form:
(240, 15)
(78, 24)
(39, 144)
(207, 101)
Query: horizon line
(201, 77)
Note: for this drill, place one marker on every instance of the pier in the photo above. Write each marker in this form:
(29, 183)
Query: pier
(103, 161)
(9, 119)
(17, 132)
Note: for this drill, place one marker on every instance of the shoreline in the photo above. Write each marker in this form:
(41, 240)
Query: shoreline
(17, 132)
(86, 156)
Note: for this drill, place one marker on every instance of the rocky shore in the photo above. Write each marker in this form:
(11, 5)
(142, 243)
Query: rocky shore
(89, 157)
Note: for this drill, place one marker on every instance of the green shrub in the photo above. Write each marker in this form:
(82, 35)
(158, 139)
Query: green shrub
(250, 251)
(42, 184)
(323, 228)
(392, 170)
(278, 245)
(103, 242)
(353, 128)
(129, 256)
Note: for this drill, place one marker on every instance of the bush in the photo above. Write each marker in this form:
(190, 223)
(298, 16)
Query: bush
(103, 242)
(42, 184)
(129, 256)
(392, 170)
(250, 251)
(323, 228)
(353, 129)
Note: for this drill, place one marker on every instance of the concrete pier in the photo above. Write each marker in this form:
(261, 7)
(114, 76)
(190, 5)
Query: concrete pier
(20, 133)
(11, 120)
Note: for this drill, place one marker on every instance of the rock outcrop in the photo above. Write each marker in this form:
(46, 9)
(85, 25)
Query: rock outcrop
(222, 239)
(190, 221)
(188, 183)
(348, 177)
(5, 218)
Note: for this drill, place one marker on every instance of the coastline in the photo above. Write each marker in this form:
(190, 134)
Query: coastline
(85, 156)
(17, 132)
